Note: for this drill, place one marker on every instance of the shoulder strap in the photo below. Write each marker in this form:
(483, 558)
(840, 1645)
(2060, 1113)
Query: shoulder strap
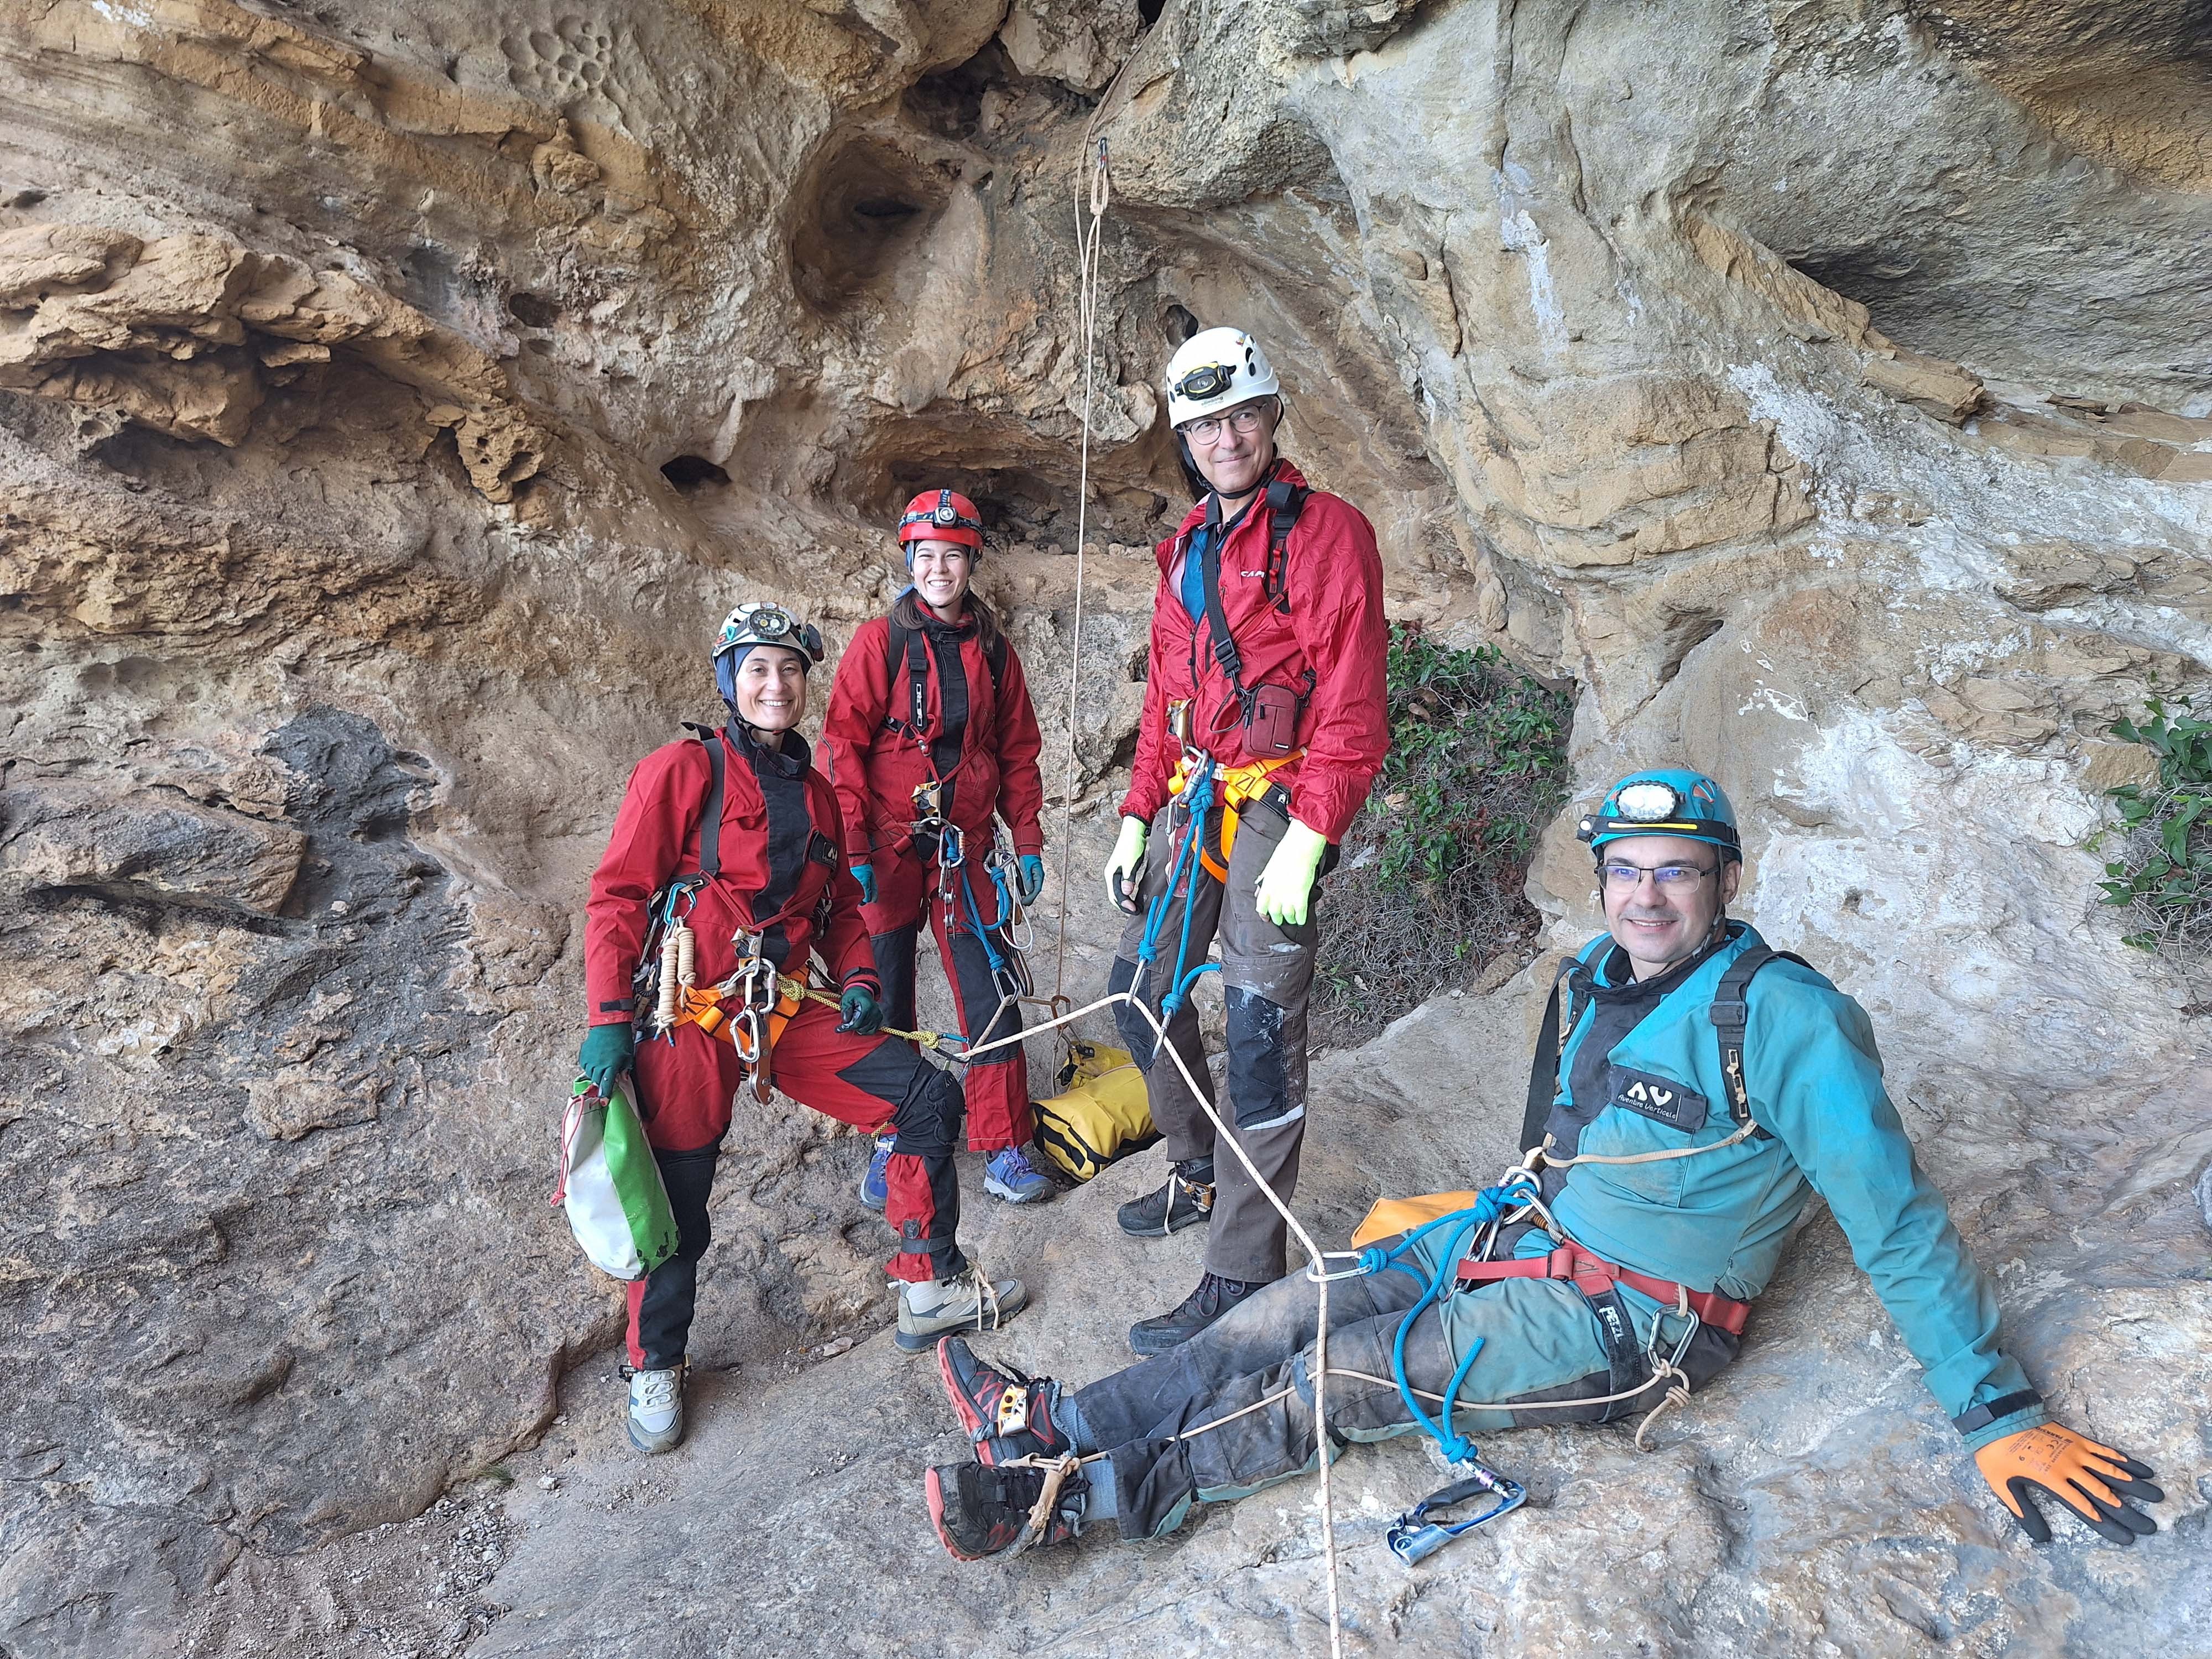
(1730, 1015)
(710, 822)
(901, 643)
(1550, 1043)
(1285, 501)
(994, 658)
(1217, 620)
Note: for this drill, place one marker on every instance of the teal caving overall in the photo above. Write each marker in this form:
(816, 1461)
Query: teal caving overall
(1670, 1191)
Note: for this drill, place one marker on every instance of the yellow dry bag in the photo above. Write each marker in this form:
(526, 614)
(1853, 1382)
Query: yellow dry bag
(1101, 1113)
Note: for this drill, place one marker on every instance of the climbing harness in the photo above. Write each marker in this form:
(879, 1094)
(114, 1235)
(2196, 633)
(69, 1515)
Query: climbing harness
(1237, 788)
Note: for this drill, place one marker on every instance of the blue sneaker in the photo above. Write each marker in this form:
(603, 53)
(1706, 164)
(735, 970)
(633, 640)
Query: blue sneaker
(1010, 1176)
(875, 1186)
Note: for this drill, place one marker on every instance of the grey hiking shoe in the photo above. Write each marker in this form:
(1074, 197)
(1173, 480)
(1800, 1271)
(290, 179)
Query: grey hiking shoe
(970, 1303)
(1186, 1201)
(656, 1409)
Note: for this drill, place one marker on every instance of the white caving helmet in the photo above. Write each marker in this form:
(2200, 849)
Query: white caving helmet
(1217, 369)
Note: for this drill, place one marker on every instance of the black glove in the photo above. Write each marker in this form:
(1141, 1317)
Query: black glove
(859, 1011)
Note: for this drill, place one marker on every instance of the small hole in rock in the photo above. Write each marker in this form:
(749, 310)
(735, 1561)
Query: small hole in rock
(885, 207)
(687, 472)
(533, 310)
(1178, 324)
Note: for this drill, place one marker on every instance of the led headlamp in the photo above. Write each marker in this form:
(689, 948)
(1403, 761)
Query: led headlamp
(1652, 806)
(1207, 380)
(769, 624)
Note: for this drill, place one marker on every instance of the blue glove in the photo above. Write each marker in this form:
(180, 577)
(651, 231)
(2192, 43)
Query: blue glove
(606, 1055)
(1032, 881)
(859, 1011)
(866, 875)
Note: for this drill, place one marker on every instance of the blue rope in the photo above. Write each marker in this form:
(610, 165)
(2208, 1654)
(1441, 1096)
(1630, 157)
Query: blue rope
(1487, 1207)
(1197, 800)
(975, 921)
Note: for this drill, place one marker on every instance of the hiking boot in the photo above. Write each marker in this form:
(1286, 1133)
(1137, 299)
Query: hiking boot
(1186, 1201)
(875, 1186)
(970, 1303)
(1006, 1415)
(1010, 1176)
(655, 1418)
(1215, 1296)
(979, 1511)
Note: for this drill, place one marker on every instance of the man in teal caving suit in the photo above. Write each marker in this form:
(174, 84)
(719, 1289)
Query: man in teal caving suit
(1706, 1089)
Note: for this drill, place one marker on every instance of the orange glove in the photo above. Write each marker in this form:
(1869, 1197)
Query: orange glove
(2091, 1480)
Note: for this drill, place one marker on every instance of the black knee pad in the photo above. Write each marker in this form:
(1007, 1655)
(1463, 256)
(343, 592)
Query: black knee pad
(928, 1120)
(1255, 1056)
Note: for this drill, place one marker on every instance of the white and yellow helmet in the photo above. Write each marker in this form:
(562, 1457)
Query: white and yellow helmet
(1217, 369)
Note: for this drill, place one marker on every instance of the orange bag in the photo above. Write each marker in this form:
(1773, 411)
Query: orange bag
(1393, 1216)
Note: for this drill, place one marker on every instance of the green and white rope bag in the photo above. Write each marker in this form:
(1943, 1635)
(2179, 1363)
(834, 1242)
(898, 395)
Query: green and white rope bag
(610, 1186)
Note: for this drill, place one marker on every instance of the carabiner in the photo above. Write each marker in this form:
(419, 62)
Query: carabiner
(1413, 1537)
(1359, 1270)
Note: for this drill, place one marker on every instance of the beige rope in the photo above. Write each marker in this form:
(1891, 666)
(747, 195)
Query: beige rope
(1088, 243)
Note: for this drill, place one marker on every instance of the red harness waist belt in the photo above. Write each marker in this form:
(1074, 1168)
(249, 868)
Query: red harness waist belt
(1595, 1275)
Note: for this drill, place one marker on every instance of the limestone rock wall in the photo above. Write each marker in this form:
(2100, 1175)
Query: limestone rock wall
(392, 399)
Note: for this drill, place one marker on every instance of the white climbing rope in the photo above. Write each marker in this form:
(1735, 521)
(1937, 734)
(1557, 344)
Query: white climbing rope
(1088, 242)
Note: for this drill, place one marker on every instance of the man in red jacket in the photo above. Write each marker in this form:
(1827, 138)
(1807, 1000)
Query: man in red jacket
(1264, 725)
(737, 837)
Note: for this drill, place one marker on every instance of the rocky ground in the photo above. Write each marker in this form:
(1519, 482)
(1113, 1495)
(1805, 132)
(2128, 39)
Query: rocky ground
(1811, 1501)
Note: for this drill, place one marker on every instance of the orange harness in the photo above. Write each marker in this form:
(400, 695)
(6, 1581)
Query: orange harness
(752, 1029)
(1236, 787)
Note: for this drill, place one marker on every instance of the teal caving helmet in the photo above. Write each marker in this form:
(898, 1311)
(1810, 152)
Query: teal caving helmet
(1668, 800)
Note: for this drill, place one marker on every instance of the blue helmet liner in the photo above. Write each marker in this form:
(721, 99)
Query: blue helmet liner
(1669, 801)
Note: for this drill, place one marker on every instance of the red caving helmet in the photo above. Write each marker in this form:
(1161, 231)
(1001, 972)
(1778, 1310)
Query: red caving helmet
(941, 516)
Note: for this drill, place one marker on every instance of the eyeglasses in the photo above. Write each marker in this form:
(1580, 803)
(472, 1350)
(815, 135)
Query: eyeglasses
(1673, 877)
(1246, 421)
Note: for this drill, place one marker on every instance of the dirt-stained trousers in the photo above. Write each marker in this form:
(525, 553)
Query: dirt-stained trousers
(1266, 974)
(685, 1090)
(1536, 1340)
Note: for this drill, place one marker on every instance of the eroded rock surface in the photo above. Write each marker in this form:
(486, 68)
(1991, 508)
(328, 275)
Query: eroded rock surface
(392, 400)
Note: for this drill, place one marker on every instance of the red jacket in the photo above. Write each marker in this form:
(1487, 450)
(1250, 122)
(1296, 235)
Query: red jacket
(780, 831)
(876, 769)
(1332, 582)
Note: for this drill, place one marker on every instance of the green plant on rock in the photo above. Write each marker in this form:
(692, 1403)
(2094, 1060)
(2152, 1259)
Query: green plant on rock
(2163, 875)
(1430, 888)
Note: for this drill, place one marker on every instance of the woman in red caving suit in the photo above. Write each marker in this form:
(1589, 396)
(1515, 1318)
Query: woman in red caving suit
(768, 881)
(932, 699)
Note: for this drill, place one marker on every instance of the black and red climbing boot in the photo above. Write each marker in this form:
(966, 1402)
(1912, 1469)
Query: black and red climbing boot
(1006, 1415)
(979, 1511)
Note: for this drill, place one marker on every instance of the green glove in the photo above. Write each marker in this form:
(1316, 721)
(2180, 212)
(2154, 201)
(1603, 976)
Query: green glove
(1122, 868)
(1286, 885)
(859, 1011)
(606, 1055)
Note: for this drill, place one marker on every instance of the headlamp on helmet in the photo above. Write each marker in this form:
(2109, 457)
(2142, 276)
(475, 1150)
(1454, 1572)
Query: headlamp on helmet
(941, 516)
(759, 622)
(1672, 802)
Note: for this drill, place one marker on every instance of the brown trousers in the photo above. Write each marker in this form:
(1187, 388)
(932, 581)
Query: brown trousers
(1266, 974)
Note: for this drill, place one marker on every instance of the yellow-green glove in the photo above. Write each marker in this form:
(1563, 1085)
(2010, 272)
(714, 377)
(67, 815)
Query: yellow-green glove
(1286, 885)
(1122, 868)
